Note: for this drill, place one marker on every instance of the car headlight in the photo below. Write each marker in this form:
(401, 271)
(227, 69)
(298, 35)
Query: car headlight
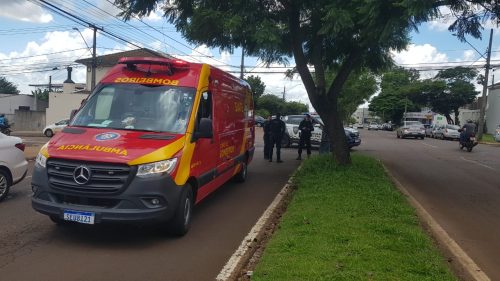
(41, 160)
(405, 131)
(156, 168)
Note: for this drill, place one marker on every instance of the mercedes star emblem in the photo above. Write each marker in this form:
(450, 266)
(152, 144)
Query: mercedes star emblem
(81, 175)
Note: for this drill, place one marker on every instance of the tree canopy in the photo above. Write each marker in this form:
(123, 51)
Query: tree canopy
(269, 104)
(401, 90)
(258, 87)
(395, 88)
(325, 35)
(7, 87)
(449, 90)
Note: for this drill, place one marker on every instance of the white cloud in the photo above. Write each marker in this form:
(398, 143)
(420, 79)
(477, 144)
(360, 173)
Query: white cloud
(24, 11)
(468, 55)
(419, 54)
(443, 21)
(155, 16)
(33, 64)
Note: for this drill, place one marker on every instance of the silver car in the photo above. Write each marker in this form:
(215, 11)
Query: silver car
(449, 132)
(413, 129)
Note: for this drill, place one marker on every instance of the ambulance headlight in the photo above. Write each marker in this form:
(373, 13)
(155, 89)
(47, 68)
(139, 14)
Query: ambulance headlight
(40, 160)
(156, 168)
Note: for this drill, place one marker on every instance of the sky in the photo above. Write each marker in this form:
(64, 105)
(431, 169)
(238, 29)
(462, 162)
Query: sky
(38, 43)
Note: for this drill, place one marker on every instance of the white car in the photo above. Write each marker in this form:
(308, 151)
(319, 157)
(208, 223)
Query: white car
(52, 129)
(13, 165)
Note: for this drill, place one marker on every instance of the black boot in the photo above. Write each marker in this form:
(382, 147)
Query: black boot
(299, 157)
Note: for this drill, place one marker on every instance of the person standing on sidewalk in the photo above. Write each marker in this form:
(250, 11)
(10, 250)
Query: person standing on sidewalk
(305, 127)
(267, 137)
(277, 127)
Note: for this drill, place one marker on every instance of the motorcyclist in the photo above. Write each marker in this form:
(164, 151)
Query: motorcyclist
(468, 129)
(3, 122)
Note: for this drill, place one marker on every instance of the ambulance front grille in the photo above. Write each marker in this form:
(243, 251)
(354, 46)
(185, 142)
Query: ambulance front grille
(103, 178)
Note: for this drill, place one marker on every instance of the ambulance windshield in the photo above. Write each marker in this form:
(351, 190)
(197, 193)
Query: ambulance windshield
(138, 107)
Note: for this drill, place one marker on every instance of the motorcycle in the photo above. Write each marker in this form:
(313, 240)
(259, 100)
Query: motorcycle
(468, 143)
(6, 130)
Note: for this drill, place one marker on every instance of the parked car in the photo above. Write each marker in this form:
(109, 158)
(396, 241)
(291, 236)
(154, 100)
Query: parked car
(429, 130)
(387, 127)
(411, 129)
(360, 126)
(353, 138)
(13, 165)
(497, 134)
(373, 126)
(447, 132)
(292, 132)
(259, 121)
(352, 130)
(52, 129)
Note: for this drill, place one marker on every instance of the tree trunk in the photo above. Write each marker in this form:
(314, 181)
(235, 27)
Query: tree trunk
(336, 134)
(449, 120)
(457, 121)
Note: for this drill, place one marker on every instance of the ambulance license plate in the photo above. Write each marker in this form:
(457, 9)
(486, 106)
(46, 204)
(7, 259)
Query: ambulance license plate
(80, 217)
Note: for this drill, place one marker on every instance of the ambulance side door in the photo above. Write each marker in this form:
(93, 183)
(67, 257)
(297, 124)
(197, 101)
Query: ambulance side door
(204, 161)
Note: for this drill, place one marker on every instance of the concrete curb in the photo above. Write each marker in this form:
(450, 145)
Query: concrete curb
(466, 268)
(490, 143)
(248, 246)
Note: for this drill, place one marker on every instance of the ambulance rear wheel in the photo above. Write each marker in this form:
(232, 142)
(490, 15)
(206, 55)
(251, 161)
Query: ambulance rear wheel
(241, 176)
(180, 223)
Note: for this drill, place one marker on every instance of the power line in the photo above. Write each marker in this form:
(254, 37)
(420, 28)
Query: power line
(33, 56)
(168, 36)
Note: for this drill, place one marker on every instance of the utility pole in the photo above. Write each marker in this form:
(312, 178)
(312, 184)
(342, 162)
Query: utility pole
(242, 62)
(284, 93)
(485, 89)
(50, 83)
(94, 64)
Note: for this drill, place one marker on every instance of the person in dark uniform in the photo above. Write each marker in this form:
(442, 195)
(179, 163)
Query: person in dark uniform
(277, 128)
(267, 137)
(305, 127)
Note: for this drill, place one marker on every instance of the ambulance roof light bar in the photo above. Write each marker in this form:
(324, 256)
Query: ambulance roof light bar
(132, 63)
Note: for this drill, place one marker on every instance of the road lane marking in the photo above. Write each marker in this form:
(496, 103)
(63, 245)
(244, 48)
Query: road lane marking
(429, 145)
(477, 163)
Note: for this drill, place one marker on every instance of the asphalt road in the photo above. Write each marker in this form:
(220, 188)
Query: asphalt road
(33, 248)
(461, 190)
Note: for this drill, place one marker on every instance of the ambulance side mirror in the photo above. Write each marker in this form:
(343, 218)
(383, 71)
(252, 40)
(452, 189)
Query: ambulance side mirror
(204, 130)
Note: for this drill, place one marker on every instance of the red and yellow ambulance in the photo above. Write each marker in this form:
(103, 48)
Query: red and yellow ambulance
(154, 138)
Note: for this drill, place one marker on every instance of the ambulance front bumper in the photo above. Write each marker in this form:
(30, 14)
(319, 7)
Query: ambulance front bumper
(151, 199)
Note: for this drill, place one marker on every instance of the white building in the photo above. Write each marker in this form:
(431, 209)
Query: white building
(493, 108)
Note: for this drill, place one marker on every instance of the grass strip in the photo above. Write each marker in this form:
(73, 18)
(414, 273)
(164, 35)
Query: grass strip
(349, 223)
(488, 138)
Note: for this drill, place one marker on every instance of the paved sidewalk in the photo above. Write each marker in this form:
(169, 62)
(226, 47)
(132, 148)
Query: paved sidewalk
(27, 134)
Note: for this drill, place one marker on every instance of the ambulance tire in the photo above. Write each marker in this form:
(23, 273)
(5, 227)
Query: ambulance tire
(241, 176)
(180, 223)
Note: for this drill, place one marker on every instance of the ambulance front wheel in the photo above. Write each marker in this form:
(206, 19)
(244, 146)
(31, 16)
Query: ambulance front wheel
(241, 176)
(180, 223)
